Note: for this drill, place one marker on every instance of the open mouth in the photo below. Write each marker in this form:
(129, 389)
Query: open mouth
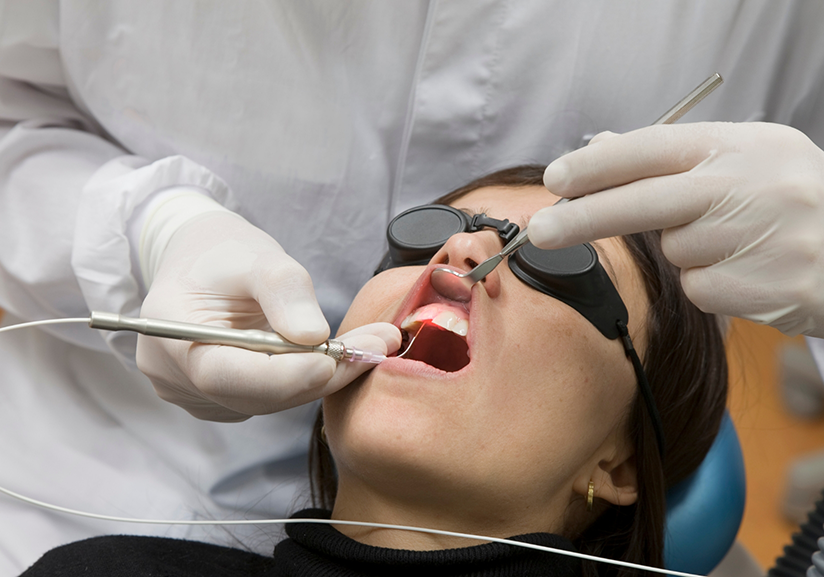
(436, 335)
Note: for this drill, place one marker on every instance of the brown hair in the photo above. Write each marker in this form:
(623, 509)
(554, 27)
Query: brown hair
(686, 366)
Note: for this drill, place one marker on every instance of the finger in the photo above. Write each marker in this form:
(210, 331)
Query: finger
(253, 383)
(379, 337)
(548, 180)
(387, 332)
(285, 293)
(649, 204)
(208, 411)
(644, 153)
(698, 244)
(155, 358)
(601, 136)
(713, 291)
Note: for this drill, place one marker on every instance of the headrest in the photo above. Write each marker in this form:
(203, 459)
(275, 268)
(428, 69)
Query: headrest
(704, 511)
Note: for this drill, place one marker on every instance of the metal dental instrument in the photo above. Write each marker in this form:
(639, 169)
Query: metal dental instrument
(408, 346)
(253, 340)
(685, 105)
(458, 287)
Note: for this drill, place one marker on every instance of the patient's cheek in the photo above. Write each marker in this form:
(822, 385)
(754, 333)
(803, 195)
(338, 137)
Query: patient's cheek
(378, 299)
(351, 320)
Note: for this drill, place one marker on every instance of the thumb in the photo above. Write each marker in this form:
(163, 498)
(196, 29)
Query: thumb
(285, 293)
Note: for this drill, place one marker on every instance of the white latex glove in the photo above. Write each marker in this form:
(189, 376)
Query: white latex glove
(741, 207)
(219, 269)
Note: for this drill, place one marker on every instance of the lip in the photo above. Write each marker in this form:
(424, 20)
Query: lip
(418, 369)
(423, 293)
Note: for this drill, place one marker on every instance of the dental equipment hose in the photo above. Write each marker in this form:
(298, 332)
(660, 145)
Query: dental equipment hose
(250, 339)
(805, 555)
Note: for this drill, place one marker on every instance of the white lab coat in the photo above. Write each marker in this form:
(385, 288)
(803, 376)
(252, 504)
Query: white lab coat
(317, 121)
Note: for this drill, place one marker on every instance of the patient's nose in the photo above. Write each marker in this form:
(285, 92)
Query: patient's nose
(466, 250)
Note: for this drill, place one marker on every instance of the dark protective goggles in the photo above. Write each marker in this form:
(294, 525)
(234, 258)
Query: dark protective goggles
(572, 275)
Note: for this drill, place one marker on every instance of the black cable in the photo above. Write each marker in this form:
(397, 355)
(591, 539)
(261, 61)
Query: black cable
(643, 384)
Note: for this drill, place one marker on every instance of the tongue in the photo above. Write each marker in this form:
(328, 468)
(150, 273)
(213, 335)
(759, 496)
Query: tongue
(440, 348)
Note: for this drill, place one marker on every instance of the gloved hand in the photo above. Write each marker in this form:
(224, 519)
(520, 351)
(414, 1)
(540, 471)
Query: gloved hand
(219, 269)
(741, 207)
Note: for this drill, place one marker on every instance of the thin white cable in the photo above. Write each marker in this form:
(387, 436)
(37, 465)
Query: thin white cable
(59, 509)
(86, 320)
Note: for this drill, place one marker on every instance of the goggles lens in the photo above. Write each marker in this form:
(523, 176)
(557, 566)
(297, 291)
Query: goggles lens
(574, 276)
(416, 235)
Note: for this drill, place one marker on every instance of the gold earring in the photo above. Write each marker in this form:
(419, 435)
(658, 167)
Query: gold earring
(323, 434)
(590, 495)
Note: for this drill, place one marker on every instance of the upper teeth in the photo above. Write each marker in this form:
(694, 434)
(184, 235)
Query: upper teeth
(451, 319)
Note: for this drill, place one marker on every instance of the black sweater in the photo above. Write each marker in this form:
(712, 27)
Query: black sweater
(311, 550)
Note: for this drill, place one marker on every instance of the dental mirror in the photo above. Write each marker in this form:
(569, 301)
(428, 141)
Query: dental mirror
(458, 287)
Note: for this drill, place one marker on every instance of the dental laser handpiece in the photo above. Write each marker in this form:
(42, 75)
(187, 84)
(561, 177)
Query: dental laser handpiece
(250, 339)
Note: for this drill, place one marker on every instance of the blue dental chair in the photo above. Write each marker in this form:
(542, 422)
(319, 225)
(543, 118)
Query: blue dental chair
(704, 511)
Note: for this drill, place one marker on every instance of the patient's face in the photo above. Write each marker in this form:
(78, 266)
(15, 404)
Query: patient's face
(543, 395)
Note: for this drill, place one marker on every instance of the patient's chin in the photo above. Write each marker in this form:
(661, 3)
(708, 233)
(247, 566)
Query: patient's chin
(388, 461)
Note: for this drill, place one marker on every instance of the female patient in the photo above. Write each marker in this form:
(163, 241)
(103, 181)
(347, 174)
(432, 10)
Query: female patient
(514, 414)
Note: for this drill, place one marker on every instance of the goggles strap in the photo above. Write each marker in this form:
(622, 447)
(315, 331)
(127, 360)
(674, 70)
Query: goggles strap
(643, 384)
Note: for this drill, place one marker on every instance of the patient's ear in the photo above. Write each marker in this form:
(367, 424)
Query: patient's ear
(620, 482)
(614, 481)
